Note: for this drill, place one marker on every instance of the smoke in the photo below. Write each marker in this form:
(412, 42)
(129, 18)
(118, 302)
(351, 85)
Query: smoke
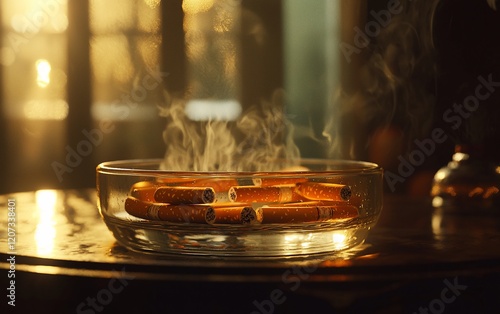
(251, 140)
(260, 137)
(394, 85)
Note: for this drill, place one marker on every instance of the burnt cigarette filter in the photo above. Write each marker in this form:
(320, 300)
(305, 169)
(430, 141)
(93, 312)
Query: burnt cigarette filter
(171, 213)
(324, 191)
(307, 213)
(270, 194)
(184, 195)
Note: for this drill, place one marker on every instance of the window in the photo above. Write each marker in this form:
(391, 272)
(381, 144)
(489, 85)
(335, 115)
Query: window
(81, 81)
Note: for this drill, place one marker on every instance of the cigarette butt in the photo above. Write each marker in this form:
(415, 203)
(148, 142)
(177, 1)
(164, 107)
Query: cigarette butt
(324, 191)
(270, 194)
(184, 195)
(311, 213)
(337, 212)
(170, 213)
(144, 190)
(276, 181)
(237, 215)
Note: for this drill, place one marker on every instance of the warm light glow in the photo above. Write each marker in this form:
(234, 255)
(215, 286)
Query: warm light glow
(43, 69)
(460, 156)
(492, 190)
(46, 109)
(44, 238)
(476, 191)
(111, 59)
(440, 175)
(292, 238)
(152, 3)
(112, 16)
(196, 6)
(222, 110)
(437, 201)
(224, 23)
(368, 256)
(297, 239)
(148, 17)
(436, 222)
(60, 22)
(339, 240)
(450, 190)
(46, 201)
(107, 111)
(306, 241)
(21, 24)
(32, 16)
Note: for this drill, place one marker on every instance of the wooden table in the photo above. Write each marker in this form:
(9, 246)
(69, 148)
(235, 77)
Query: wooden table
(416, 260)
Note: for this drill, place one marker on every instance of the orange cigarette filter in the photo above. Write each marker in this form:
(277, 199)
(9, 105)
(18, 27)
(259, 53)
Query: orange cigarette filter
(324, 191)
(310, 213)
(170, 213)
(270, 194)
(184, 195)
(237, 215)
(144, 190)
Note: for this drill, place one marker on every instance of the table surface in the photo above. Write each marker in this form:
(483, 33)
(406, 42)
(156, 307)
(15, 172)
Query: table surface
(62, 232)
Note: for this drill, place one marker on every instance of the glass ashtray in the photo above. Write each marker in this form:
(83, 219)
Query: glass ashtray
(315, 207)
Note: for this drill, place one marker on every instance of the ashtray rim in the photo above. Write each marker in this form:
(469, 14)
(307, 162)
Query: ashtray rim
(127, 166)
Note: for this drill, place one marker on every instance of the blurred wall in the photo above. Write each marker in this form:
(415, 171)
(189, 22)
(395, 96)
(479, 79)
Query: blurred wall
(81, 81)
